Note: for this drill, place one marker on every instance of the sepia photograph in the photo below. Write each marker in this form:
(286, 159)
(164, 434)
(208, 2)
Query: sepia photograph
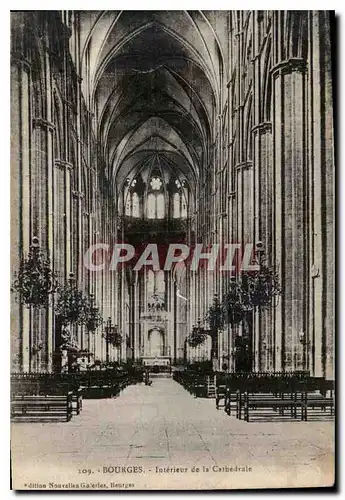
(172, 191)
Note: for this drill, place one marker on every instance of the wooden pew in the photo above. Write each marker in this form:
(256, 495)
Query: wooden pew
(220, 396)
(316, 403)
(193, 382)
(230, 398)
(42, 384)
(72, 380)
(104, 384)
(276, 384)
(274, 395)
(41, 408)
(266, 405)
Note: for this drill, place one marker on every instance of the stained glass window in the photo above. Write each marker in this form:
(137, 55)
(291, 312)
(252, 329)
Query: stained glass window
(184, 207)
(176, 205)
(128, 205)
(132, 207)
(151, 206)
(135, 205)
(160, 209)
(156, 183)
(160, 282)
(150, 281)
(156, 200)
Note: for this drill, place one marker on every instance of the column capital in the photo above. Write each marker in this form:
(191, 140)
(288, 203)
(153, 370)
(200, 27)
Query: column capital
(255, 58)
(20, 60)
(243, 165)
(231, 80)
(66, 31)
(220, 170)
(70, 105)
(262, 128)
(41, 122)
(63, 164)
(294, 64)
(78, 195)
(44, 39)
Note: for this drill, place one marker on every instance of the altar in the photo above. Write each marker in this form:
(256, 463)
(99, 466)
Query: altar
(154, 362)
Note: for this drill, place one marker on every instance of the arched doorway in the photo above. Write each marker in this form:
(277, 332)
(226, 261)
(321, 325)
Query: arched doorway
(156, 343)
(244, 347)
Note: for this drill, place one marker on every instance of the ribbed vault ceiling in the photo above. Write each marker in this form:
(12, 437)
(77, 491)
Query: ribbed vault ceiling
(152, 80)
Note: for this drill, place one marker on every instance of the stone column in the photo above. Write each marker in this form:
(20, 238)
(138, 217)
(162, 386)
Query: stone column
(122, 313)
(320, 339)
(88, 344)
(244, 209)
(42, 227)
(62, 217)
(263, 193)
(290, 209)
(77, 235)
(20, 202)
(136, 346)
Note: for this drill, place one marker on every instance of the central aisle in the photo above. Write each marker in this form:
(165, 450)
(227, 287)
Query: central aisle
(160, 426)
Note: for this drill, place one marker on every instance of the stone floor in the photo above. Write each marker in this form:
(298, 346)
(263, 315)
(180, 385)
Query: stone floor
(162, 437)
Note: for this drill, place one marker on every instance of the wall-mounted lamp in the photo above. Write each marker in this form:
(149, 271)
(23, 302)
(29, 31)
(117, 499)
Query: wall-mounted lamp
(36, 349)
(301, 336)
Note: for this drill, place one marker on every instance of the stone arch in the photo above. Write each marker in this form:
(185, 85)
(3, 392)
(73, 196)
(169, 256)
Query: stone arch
(156, 340)
(58, 143)
(266, 96)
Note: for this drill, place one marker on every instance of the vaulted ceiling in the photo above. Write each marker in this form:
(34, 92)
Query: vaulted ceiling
(152, 80)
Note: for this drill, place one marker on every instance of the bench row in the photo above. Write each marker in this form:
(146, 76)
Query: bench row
(198, 384)
(41, 408)
(270, 405)
(55, 397)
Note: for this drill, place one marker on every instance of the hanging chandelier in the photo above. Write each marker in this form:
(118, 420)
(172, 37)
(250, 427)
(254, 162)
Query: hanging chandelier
(72, 306)
(112, 335)
(261, 288)
(197, 336)
(94, 318)
(253, 290)
(215, 315)
(35, 281)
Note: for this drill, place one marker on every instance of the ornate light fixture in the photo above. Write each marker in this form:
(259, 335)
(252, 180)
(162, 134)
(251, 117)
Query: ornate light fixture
(36, 349)
(94, 317)
(253, 290)
(72, 306)
(215, 319)
(35, 282)
(215, 314)
(117, 342)
(111, 334)
(198, 335)
(260, 288)
(305, 341)
(232, 304)
(108, 336)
